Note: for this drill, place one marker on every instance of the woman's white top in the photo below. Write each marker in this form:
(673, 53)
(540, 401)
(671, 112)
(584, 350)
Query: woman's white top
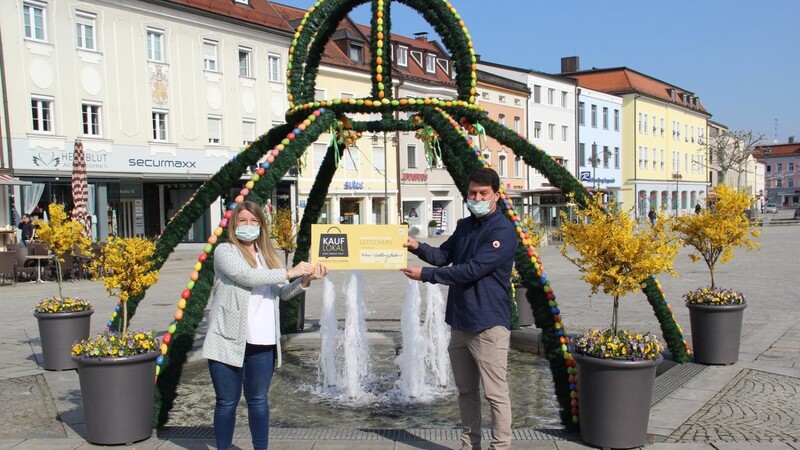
(261, 315)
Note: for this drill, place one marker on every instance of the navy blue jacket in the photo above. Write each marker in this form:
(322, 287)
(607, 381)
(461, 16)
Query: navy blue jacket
(475, 262)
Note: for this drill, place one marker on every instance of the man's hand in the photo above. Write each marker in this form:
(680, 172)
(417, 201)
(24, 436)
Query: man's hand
(411, 244)
(412, 272)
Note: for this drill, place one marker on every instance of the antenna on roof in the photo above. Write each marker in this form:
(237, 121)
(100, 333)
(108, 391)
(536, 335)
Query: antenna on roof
(775, 139)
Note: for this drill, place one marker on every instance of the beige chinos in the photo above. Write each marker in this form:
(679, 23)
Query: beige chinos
(475, 358)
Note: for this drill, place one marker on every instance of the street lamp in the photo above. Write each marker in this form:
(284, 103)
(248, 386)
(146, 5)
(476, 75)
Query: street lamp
(677, 177)
(594, 160)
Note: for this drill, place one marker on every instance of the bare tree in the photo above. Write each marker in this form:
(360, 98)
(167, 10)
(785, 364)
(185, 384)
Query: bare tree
(731, 151)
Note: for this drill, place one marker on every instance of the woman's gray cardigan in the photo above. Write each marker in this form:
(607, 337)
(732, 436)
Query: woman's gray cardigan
(233, 279)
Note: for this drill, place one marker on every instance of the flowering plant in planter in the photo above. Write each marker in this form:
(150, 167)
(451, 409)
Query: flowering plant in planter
(714, 233)
(126, 273)
(615, 257)
(61, 304)
(62, 235)
(714, 296)
(112, 344)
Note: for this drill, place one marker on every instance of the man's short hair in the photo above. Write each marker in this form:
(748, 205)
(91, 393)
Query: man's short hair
(485, 177)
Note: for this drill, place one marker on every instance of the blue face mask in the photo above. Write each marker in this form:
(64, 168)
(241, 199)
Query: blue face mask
(479, 208)
(248, 232)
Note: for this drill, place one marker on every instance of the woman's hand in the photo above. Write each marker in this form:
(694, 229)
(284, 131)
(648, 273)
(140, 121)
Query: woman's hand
(320, 271)
(302, 268)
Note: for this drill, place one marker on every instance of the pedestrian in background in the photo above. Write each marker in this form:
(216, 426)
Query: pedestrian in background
(652, 215)
(26, 225)
(475, 262)
(243, 340)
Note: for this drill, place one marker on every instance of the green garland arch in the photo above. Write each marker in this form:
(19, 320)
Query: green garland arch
(283, 145)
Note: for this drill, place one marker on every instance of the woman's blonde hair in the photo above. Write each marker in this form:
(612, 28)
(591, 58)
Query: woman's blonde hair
(263, 242)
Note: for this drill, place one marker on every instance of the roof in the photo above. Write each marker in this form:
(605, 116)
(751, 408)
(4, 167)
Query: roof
(257, 12)
(497, 80)
(333, 54)
(777, 150)
(414, 69)
(622, 80)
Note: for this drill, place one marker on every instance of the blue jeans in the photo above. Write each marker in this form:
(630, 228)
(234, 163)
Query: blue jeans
(256, 376)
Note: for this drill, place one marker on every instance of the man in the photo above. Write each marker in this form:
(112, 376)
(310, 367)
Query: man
(26, 225)
(476, 262)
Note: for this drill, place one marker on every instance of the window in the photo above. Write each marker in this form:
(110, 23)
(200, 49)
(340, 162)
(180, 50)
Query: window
(662, 128)
(274, 67)
(243, 2)
(791, 167)
(155, 45)
(90, 116)
(214, 130)
(84, 30)
(581, 113)
(248, 131)
(594, 116)
(42, 114)
(537, 130)
(210, 49)
(564, 133)
(779, 183)
(616, 120)
(644, 129)
(517, 167)
(356, 52)
(34, 21)
(160, 125)
(501, 119)
(550, 95)
(605, 118)
(430, 63)
(517, 102)
(517, 122)
(245, 62)
(662, 160)
(616, 157)
(379, 160)
(501, 165)
(654, 158)
(318, 153)
(551, 131)
(501, 98)
(780, 167)
(351, 159)
(645, 152)
(582, 154)
(564, 97)
(485, 95)
(639, 124)
(606, 156)
(411, 153)
(402, 56)
(537, 94)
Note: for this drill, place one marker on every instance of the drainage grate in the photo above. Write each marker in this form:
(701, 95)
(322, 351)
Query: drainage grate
(350, 434)
(673, 379)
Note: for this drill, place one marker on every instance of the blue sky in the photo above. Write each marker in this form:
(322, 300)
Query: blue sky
(742, 57)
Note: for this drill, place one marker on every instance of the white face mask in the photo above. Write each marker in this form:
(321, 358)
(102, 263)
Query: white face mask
(479, 208)
(248, 232)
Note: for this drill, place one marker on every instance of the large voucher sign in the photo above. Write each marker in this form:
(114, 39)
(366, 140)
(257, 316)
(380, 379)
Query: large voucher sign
(359, 247)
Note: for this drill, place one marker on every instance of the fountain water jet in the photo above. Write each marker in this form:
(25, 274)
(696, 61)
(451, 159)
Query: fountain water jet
(356, 348)
(329, 337)
(436, 336)
(411, 359)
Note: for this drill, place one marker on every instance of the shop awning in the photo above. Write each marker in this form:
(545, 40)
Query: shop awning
(9, 180)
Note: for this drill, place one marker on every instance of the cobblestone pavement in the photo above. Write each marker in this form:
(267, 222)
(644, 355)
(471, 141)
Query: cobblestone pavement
(755, 406)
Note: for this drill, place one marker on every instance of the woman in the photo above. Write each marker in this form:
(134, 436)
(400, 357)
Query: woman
(243, 340)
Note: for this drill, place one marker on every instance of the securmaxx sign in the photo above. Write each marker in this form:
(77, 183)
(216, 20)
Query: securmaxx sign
(124, 159)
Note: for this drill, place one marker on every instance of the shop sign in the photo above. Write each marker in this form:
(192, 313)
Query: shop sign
(418, 177)
(354, 185)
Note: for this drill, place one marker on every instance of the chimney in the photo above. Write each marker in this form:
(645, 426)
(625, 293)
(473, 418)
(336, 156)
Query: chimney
(421, 36)
(570, 64)
(791, 139)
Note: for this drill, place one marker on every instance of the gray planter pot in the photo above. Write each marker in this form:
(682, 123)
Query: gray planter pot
(614, 400)
(118, 397)
(523, 306)
(58, 332)
(716, 332)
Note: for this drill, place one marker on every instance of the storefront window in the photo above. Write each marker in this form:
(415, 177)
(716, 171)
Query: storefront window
(350, 210)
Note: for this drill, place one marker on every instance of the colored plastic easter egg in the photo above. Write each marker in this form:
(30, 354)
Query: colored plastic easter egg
(186, 293)
(208, 248)
(178, 314)
(166, 338)
(172, 328)
(164, 349)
